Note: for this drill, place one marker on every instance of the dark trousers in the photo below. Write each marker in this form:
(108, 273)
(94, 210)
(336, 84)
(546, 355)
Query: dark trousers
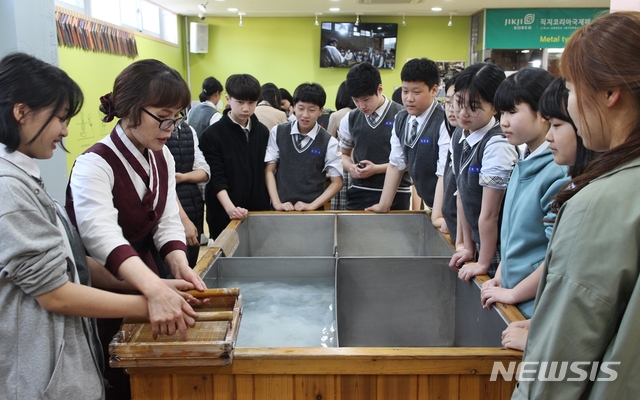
(359, 199)
(118, 387)
(192, 255)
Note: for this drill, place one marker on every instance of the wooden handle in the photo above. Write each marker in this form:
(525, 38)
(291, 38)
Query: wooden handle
(214, 292)
(202, 316)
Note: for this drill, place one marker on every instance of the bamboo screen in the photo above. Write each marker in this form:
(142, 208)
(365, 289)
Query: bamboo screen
(76, 30)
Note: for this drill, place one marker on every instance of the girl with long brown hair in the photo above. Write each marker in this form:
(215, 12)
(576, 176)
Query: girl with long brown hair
(587, 312)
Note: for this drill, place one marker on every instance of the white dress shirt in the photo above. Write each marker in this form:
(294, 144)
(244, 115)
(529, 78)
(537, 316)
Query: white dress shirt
(332, 159)
(92, 181)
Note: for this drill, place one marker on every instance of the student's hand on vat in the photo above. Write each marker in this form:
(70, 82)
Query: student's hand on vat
(378, 208)
(288, 206)
(495, 294)
(191, 233)
(443, 227)
(459, 258)
(238, 213)
(516, 334)
(302, 206)
(492, 283)
(524, 324)
(468, 271)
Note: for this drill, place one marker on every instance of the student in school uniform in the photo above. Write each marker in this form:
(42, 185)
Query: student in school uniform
(365, 135)
(568, 149)
(449, 197)
(527, 221)
(377, 59)
(419, 139)
(234, 148)
(121, 196)
(268, 110)
(482, 165)
(301, 154)
(205, 113)
(286, 104)
(192, 171)
(344, 105)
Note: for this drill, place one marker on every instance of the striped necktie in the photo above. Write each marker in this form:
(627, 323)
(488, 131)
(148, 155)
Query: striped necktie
(414, 131)
(299, 139)
(466, 151)
(373, 118)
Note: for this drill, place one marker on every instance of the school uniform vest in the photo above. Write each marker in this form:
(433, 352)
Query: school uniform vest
(136, 216)
(300, 173)
(181, 145)
(468, 177)
(372, 143)
(200, 116)
(422, 156)
(449, 201)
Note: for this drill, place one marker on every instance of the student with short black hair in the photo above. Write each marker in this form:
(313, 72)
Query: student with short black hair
(528, 216)
(234, 148)
(567, 146)
(419, 138)
(365, 135)
(482, 164)
(568, 149)
(300, 154)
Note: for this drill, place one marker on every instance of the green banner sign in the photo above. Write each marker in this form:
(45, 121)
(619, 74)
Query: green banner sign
(525, 28)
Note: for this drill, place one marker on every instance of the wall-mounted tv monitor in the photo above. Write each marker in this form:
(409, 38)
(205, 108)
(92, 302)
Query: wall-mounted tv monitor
(343, 45)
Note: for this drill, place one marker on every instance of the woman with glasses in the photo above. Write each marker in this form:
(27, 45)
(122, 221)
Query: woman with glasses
(122, 199)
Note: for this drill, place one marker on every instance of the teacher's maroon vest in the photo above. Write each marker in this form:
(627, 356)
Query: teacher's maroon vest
(136, 217)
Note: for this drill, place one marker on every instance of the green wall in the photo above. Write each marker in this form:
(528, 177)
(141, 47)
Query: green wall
(285, 51)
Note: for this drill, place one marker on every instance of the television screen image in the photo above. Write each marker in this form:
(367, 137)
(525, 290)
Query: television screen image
(343, 45)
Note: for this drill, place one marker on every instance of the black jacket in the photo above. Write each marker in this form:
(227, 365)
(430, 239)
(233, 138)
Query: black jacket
(237, 166)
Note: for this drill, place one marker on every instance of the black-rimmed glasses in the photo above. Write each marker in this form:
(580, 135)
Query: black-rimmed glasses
(165, 124)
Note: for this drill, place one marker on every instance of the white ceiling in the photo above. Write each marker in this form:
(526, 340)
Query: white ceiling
(307, 8)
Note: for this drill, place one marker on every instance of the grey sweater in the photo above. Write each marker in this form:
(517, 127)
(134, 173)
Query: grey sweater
(43, 355)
